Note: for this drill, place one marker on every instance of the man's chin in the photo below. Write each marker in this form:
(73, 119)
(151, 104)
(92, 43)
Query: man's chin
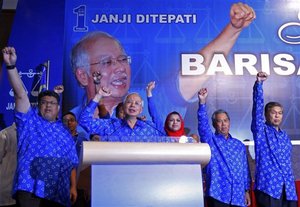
(132, 114)
(119, 94)
(49, 118)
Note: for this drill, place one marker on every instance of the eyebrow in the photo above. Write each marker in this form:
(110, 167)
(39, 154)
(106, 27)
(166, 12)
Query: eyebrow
(130, 99)
(277, 111)
(110, 56)
(222, 119)
(54, 100)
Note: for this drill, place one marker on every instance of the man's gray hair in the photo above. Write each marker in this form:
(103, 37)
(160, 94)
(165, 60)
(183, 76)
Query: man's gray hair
(79, 55)
(133, 93)
(219, 111)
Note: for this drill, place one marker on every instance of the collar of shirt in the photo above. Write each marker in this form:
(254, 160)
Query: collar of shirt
(223, 137)
(271, 126)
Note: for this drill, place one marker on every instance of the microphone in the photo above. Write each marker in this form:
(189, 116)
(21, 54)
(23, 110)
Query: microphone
(123, 125)
(97, 78)
(117, 129)
(158, 130)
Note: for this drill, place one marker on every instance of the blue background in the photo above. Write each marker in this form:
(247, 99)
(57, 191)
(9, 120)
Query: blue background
(44, 31)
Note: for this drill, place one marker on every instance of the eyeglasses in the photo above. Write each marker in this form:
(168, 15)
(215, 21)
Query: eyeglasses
(68, 120)
(51, 103)
(135, 103)
(109, 61)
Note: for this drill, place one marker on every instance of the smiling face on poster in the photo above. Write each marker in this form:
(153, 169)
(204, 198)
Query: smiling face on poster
(99, 59)
(182, 45)
(165, 42)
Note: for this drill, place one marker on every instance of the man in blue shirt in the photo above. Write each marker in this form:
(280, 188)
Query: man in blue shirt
(274, 179)
(47, 159)
(227, 173)
(70, 121)
(130, 128)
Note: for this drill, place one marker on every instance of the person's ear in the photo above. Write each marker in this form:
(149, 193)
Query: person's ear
(141, 110)
(82, 77)
(58, 107)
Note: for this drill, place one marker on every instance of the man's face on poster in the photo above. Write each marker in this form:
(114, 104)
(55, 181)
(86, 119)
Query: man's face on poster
(108, 60)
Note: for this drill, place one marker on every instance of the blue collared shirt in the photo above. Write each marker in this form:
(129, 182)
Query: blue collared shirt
(227, 173)
(117, 129)
(46, 156)
(272, 153)
(78, 139)
(155, 116)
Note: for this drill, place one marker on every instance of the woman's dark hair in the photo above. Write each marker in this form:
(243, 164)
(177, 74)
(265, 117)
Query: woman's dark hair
(118, 108)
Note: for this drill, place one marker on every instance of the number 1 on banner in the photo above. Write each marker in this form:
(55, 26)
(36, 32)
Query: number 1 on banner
(81, 15)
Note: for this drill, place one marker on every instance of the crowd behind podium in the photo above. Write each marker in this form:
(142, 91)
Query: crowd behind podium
(47, 148)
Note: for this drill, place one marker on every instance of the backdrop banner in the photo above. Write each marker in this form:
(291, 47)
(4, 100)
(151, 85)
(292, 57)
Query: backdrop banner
(163, 38)
(37, 35)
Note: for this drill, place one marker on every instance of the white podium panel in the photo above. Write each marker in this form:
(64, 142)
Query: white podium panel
(147, 185)
(130, 174)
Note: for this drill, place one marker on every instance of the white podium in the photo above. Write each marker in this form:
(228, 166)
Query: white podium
(129, 174)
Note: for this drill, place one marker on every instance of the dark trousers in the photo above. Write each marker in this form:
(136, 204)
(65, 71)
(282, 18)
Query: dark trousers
(264, 200)
(27, 199)
(81, 200)
(211, 202)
